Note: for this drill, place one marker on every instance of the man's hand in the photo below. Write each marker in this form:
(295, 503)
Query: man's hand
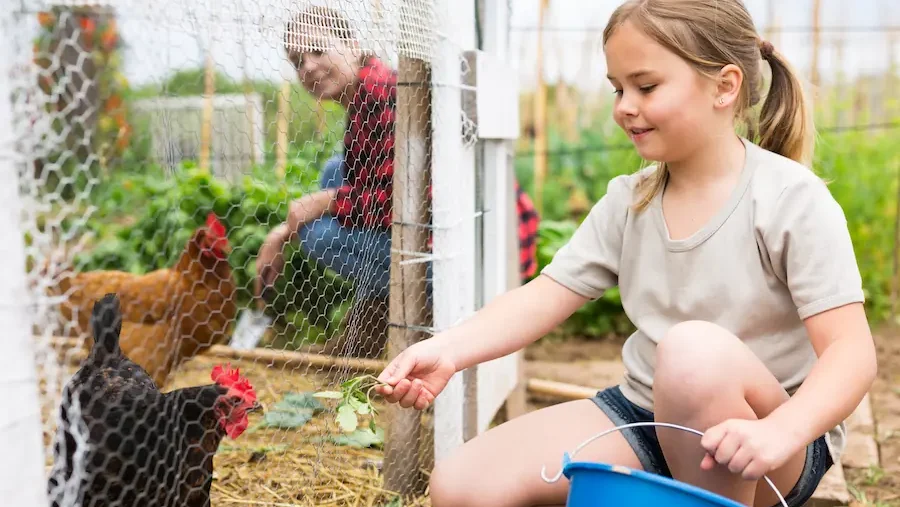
(309, 207)
(270, 260)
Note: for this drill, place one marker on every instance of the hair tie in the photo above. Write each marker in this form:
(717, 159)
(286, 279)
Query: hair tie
(766, 49)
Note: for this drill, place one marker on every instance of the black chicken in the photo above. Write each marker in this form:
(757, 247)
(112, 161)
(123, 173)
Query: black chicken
(124, 443)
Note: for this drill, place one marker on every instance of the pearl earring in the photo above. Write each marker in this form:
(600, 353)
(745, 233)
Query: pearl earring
(721, 100)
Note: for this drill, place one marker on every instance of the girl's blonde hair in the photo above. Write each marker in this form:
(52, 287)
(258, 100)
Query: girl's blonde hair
(709, 34)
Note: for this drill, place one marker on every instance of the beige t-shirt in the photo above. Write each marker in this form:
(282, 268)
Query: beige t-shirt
(777, 252)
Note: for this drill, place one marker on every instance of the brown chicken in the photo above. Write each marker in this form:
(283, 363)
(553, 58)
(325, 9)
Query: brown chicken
(169, 315)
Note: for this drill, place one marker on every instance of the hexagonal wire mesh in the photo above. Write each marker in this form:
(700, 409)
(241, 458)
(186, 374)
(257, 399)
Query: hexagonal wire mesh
(172, 192)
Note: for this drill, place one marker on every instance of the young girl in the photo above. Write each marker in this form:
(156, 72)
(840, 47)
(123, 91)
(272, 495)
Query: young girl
(734, 262)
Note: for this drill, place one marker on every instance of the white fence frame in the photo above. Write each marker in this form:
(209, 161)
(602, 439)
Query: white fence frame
(482, 391)
(22, 478)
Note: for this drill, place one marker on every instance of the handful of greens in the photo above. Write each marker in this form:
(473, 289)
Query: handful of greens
(355, 400)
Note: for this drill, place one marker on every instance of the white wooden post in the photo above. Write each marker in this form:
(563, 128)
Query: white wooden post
(497, 107)
(22, 480)
(453, 204)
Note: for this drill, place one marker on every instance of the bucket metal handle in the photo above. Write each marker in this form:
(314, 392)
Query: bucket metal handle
(567, 457)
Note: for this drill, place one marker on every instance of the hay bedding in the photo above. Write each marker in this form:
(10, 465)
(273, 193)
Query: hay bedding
(289, 467)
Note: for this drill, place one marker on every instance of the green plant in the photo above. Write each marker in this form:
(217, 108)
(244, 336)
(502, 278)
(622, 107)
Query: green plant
(165, 209)
(292, 412)
(354, 400)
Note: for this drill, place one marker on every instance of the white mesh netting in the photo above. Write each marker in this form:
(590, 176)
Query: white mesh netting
(159, 145)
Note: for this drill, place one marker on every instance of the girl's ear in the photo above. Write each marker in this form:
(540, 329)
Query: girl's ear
(729, 81)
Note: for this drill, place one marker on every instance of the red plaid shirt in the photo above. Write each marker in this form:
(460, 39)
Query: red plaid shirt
(366, 199)
(528, 233)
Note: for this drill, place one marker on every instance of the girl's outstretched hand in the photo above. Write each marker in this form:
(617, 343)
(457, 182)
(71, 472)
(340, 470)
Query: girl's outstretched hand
(416, 376)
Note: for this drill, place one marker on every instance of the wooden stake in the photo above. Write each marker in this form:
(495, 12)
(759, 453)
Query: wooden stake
(279, 358)
(540, 115)
(890, 108)
(281, 128)
(582, 108)
(248, 105)
(895, 282)
(894, 164)
(814, 65)
(408, 306)
(840, 112)
(286, 358)
(559, 390)
(209, 85)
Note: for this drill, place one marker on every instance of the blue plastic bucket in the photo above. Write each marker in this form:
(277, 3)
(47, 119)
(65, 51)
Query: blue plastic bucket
(598, 484)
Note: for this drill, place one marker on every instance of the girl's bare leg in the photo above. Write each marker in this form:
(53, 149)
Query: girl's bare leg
(705, 375)
(502, 467)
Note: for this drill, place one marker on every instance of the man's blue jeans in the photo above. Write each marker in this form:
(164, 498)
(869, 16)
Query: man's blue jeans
(362, 256)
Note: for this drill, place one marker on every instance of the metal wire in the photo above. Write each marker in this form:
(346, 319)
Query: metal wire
(639, 424)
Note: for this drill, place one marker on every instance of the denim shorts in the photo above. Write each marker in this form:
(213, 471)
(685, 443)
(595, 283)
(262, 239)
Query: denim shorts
(646, 446)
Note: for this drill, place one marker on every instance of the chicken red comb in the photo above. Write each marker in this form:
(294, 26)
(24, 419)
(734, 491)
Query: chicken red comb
(229, 377)
(214, 225)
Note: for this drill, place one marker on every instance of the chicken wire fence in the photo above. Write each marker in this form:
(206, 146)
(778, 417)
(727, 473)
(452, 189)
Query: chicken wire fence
(196, 381)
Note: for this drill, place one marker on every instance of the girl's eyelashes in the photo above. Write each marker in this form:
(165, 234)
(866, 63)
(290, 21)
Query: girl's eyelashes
(643, 89)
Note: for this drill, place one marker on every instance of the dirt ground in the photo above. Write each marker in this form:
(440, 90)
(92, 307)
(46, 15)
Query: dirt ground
(576, 361)
(880, 487)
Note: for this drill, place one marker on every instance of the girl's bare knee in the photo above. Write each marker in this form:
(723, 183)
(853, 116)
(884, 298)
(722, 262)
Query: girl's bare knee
(695, 364)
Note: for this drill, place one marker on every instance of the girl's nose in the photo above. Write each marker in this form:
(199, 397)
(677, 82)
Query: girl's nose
(626, 106)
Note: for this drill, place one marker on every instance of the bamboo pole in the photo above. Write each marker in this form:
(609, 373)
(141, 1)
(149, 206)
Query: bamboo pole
(206, 120)
(281, 127)
(544, 388)
(587, 105)
(559, 390)
(321, 120)
(890, 108)
(75, 351)
(287, 358)
(894, 165)
(248, 105)
(816, 41)
(540, 114)
(840, 41)
(895, 282)
(408, 306)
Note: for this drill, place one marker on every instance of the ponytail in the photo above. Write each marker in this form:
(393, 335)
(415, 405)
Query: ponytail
(785, 123)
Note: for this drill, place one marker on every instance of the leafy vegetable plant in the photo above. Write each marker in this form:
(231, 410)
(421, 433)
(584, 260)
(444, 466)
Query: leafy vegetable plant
(355, 400)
